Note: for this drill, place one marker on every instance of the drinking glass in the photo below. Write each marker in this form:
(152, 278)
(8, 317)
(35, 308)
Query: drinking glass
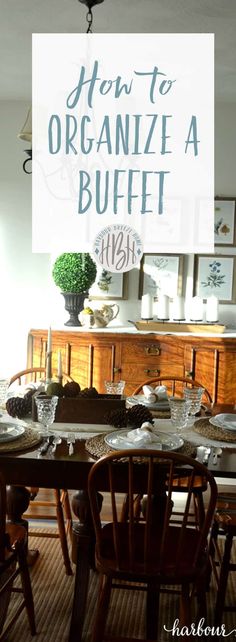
(115, 387)
(194, 395)
(179, 410)
(4, 385)
(46, 410)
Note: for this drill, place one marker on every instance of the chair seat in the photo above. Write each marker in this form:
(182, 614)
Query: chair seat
(181, 483)
(157, 563)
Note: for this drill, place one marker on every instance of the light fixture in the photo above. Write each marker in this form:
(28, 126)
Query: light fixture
(26, 134)
(26, 131)
(89, 16)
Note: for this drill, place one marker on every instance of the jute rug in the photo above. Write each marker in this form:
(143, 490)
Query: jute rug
(53, 594)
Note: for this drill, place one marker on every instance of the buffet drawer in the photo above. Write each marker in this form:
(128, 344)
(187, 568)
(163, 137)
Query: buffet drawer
(138, 372)
(142, 351)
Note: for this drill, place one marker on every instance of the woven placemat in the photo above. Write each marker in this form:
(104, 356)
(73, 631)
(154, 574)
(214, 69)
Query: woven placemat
(97, 447)
(29, 439)
(204, 428)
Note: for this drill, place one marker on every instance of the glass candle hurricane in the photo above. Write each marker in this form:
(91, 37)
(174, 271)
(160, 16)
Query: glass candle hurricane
(194, 396)
(115, 387)
(179, 411)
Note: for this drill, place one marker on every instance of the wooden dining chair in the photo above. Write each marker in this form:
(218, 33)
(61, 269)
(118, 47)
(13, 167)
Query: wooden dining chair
(61, 502)
(13, 546)
(175, 386)
(152, 551)
(224, 525)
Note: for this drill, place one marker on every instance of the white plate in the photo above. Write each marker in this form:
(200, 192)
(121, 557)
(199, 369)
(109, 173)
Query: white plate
(117, 440)
(156, 405)
(9, 432)
(224, 421)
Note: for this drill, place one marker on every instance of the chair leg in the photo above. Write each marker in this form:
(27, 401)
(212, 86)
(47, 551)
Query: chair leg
(201, 596)
(66, 504)
(185, 611)
(26, 586)
(102, 608)
(224, 572)
(152, 611)
(62, 532)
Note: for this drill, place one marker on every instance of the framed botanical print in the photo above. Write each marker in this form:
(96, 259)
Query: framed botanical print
(109, 285)
(224, 223)
(161, 273)
(216, 275)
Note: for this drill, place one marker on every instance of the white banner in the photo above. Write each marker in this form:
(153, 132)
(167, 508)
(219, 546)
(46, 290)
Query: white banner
(123, 133)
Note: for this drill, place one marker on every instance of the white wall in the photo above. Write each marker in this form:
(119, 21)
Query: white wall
(29, 298)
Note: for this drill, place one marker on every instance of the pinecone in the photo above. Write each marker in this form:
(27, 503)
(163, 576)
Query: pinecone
(84, 393)
(20, 406)
(71, 389)
(117, 418)
(138, 414)
(91, 392)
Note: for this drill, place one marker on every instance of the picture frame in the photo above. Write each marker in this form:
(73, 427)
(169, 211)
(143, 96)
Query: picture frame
(109, 285)
(215, 274)
(161, 272)
(224, 221)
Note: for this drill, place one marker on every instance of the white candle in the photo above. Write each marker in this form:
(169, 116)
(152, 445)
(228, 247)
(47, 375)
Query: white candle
(59, 364)
(212, 309)
(49, 343)
(146, 307)
(178, 309)
(196, 312)
(163, 307)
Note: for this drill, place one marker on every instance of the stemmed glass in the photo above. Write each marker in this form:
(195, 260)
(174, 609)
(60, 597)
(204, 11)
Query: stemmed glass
(46, 410)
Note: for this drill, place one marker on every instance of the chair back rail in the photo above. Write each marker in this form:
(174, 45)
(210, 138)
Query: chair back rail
(33, 374)
(174, 385)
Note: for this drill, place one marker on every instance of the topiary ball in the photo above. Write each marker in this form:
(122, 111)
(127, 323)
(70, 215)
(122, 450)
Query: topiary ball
(74, 272)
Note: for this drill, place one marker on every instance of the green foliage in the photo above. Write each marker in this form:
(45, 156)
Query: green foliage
(74, 272)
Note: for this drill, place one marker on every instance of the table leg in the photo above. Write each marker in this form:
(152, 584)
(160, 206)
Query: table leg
(83, 555)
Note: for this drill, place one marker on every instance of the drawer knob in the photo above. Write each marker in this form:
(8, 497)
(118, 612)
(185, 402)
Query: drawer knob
(115, 370)
(152, 371)
(153, 349)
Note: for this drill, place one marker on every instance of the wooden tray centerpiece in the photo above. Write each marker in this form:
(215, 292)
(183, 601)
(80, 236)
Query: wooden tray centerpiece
(84, 410)
(182, 326)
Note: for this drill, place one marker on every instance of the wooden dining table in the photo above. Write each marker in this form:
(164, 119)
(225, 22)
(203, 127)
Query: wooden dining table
(25, 469)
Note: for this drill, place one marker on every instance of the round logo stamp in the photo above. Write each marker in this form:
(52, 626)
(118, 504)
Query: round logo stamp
(118, 248)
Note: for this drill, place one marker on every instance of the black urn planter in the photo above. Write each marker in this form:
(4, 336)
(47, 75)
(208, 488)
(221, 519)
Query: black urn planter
(74, 303)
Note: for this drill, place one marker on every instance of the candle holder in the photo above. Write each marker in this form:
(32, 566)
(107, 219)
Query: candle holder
(48, 367)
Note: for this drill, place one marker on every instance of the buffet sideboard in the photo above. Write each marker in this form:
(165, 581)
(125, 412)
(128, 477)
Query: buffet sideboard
(91, 357)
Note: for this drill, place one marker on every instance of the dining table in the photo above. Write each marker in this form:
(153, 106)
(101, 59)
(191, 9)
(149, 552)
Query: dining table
(69, 468)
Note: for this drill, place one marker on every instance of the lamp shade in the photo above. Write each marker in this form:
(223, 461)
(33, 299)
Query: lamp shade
(26, 131)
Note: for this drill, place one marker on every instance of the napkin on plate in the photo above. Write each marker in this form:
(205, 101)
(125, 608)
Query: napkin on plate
(142, 437)
(155, 394)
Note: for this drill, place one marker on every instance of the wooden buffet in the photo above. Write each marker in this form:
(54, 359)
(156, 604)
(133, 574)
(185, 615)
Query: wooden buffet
(92, 357)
